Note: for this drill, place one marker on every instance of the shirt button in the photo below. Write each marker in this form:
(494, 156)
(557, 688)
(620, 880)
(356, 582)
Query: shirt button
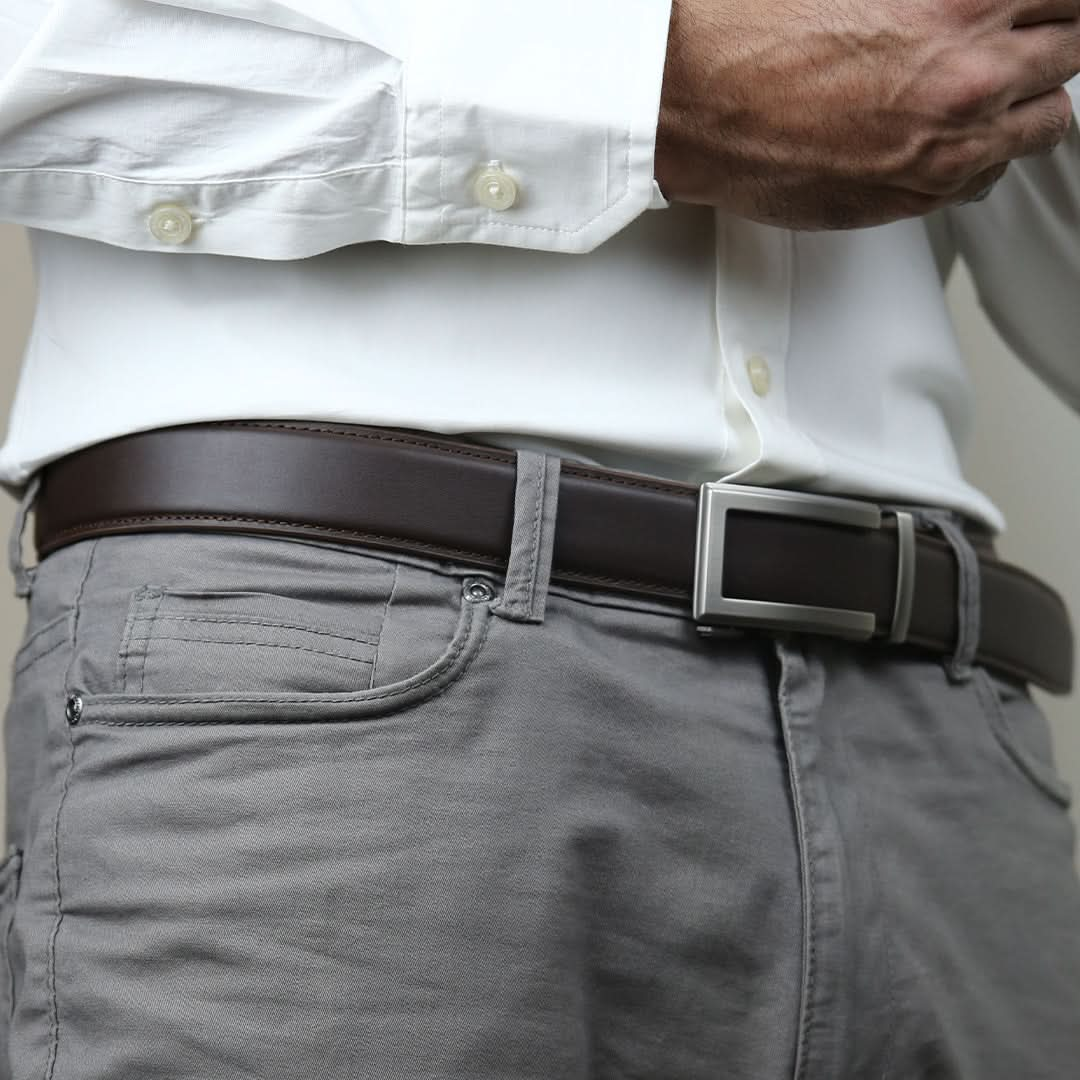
(495, 188)
(757, 367)
(171, 224)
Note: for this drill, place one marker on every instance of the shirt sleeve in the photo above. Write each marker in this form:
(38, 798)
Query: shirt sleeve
(280, 129)
(1022, 246)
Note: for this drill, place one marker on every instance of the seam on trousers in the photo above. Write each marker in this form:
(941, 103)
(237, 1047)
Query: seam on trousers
(806, 1009)
(822, 1012)
(54, 1042)
(382, 625)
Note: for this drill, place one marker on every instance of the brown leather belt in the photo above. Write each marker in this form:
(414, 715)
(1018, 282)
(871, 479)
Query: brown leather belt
(620, 531)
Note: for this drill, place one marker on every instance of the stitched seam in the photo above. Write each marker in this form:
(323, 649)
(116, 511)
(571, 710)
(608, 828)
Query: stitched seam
(1033, 771)
(670, 488)
(367, 436)
(329, 529)
(51, 625)
(589, 579)
(487, 560)
(147, 637)
(228, 620)
(226, 701)
(811, 886)
(447, 662)
(506, 458)
(51, 960)
(261, 645)
(129, 633)
(607, 207)
(382, 625)
(682, 491)
(25, 664)
(534, 554)
(50, 978)
(553, 229)
(201, 182)
(521, 574)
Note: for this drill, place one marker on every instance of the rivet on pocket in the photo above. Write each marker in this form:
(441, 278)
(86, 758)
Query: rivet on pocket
(73, 709)
(478, 591)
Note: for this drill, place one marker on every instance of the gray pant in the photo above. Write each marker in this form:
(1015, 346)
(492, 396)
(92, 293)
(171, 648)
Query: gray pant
(283, 809)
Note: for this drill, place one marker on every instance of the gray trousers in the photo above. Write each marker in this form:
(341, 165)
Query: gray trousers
(281, 809)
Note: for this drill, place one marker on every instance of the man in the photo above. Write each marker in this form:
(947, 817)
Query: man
(507, 604)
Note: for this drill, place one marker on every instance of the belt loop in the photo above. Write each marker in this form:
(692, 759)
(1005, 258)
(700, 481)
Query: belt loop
(969, 597)
(23, 575)
(529, 571)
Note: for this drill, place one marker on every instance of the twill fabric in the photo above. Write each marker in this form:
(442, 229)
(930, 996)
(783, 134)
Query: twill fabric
(280, 809)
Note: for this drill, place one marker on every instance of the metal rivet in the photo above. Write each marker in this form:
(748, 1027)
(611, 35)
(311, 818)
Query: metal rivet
(478, 591)
(73, 709)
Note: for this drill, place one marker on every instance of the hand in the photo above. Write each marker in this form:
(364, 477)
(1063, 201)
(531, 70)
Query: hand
(833, 114)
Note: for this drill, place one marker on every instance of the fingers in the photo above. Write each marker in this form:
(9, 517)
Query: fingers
(1045, 57)
(1037, 125)
(1030, 12)
(982, 185)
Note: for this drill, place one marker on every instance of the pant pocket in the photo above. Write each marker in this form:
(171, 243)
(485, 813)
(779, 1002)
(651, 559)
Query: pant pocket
(1022, 733)
(263, 744)
(241, 630)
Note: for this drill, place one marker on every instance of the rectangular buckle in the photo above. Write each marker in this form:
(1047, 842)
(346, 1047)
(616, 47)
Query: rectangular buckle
(712, 608)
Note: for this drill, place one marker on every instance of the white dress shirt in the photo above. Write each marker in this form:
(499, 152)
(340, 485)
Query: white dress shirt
(443, 216)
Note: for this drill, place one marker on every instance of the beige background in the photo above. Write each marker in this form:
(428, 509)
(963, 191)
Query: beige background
(1025, 453)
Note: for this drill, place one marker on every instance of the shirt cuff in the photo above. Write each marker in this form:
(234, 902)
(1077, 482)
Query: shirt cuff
(541, 135)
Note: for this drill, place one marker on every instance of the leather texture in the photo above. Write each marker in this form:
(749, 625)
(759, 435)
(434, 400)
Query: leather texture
(404, 490)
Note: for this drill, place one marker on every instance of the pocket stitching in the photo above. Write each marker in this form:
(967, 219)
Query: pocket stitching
(146, 605)
(25, 666)
(363, 639)
(262, 645)
(51, 625)
(441, 667)
(142, 644)
(1040, 775)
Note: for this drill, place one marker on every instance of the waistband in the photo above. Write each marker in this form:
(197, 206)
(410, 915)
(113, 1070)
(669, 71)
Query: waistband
(773, 560)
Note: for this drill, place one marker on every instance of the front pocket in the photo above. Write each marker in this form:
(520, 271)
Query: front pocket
(1022, 733)
(175, 640)
(187, 705)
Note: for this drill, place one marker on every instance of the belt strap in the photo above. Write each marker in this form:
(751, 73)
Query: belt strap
(411, 491)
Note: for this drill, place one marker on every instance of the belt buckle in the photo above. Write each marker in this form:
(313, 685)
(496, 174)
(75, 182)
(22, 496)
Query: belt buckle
(711, 608)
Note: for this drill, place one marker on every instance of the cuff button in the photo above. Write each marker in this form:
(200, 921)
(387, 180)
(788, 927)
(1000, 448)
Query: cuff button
(495, 188)
(171, 224)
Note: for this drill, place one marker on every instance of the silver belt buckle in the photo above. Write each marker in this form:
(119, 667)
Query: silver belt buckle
(711, 608)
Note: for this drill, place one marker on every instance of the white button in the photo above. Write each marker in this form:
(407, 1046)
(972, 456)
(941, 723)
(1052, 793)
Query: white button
(757, 368)
(495, 188)
(171, 224)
